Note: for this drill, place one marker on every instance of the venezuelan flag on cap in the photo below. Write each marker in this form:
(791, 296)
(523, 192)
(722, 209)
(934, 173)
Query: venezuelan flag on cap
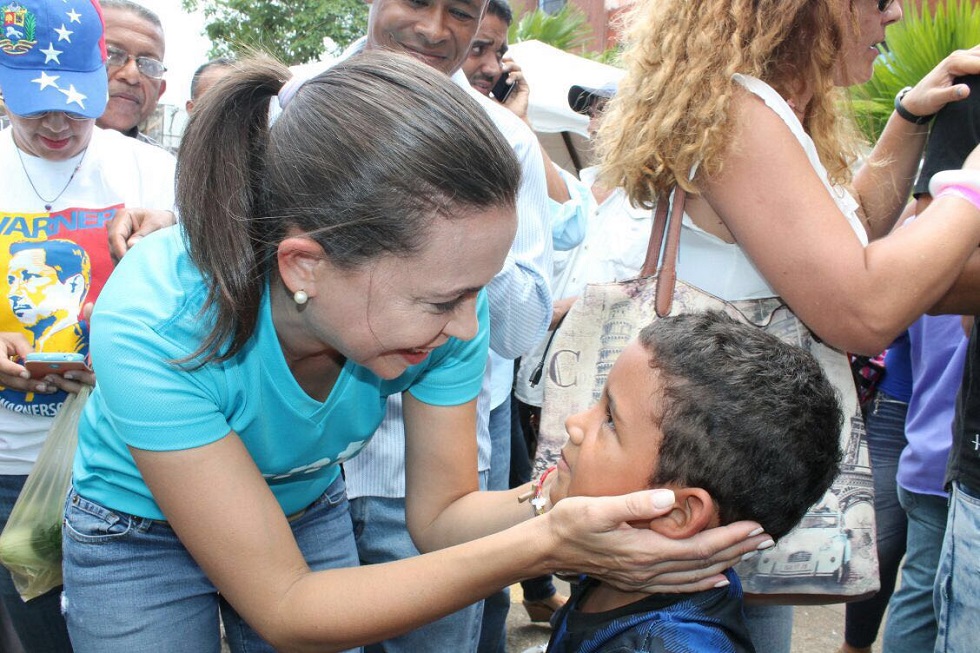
(52, 57)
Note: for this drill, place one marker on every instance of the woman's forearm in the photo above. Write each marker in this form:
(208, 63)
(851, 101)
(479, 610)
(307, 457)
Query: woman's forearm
(884, 182)
(904, 276)
(963, 298)
(343, 608)
(474, 515)
(222, 510)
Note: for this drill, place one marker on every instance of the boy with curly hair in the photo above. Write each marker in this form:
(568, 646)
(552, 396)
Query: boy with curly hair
(739, 424)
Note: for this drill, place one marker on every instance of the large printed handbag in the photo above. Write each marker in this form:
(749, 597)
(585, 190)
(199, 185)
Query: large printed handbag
(830, 556)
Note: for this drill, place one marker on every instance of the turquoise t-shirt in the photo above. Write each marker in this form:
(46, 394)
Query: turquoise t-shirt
(149, 314)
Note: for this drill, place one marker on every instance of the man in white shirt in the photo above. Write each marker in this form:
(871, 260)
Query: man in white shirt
(439, 33)
(570, 203)
(615, 244)
(484, 67)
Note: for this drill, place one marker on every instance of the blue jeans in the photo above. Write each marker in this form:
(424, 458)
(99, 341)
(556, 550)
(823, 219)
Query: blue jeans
(886, 438)
(130, 585)
(957, 594)
(500, 428)
(911, 624)
(38, 623)
(770, 627)
(382, 536)
(493, 634)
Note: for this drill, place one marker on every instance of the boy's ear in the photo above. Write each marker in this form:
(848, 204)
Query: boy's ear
(694, 511)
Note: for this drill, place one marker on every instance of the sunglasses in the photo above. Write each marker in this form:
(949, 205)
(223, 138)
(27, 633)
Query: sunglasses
(147, 66)
(44, 114)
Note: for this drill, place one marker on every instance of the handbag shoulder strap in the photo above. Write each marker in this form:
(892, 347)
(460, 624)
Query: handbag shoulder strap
(667, 220)
(652, 260)
(667, 277)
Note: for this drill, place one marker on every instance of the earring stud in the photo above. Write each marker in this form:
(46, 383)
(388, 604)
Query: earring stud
(300, 297)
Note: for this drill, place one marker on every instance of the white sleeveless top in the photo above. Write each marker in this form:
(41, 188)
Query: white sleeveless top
(722, 268)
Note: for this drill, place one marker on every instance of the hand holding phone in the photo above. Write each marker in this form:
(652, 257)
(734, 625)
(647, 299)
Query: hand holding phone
(42, 363)
(502, 89)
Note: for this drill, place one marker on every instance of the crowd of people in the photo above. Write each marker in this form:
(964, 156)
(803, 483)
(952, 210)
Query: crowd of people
(312, 332)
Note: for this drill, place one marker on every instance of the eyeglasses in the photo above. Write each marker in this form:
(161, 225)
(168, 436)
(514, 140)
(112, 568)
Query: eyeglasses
(147, 66)
(884, 5)
(44, 114)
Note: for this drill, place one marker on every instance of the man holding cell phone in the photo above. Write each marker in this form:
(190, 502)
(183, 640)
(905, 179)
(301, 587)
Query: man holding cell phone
(485, 67)
(440, 34)
(492, 74)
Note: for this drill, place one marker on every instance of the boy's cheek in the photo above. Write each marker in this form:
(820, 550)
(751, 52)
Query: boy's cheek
(559, 489)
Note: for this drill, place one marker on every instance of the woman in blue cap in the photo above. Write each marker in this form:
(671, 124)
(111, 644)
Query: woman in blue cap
(63, 180)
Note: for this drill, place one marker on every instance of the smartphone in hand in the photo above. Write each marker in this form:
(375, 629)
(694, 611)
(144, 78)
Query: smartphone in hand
(502, 89)
(42, 363)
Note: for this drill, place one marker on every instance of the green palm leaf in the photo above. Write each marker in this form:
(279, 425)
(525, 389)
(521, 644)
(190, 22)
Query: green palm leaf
(567, 29)
(914, 47)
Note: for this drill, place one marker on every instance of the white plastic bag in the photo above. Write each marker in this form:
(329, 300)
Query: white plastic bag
(30, 545)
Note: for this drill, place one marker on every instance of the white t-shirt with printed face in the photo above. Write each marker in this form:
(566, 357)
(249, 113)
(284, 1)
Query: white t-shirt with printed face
(56, 261)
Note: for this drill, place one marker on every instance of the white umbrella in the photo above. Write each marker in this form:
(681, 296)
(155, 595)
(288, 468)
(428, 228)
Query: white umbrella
(550, 72)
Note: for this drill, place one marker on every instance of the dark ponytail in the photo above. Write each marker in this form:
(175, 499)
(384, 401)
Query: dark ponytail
(219, 172)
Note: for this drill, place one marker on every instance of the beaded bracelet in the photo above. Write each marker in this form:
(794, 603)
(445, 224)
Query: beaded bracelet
(539, 502)
(962, 192)
(960, 178)
(905, 113)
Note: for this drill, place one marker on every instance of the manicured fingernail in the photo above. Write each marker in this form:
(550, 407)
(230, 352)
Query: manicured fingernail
(722, 583)
(757, 531)
(70, 376)
(663, 498)
(765, 545)
(750, 555)
(25, 374)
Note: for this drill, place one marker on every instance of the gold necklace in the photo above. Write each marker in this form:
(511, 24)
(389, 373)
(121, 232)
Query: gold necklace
(49, 203)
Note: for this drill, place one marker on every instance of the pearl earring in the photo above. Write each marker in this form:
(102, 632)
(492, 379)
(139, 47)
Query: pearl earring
(300, 297)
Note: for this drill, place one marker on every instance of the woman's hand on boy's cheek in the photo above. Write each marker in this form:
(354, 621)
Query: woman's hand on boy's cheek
(694, 510)
(598, 540)
(697, 563)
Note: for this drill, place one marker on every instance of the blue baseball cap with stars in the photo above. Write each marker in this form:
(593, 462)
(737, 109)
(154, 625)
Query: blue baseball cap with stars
(52, 57)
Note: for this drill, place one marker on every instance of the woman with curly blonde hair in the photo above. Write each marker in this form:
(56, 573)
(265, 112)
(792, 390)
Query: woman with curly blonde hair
(741, 103)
